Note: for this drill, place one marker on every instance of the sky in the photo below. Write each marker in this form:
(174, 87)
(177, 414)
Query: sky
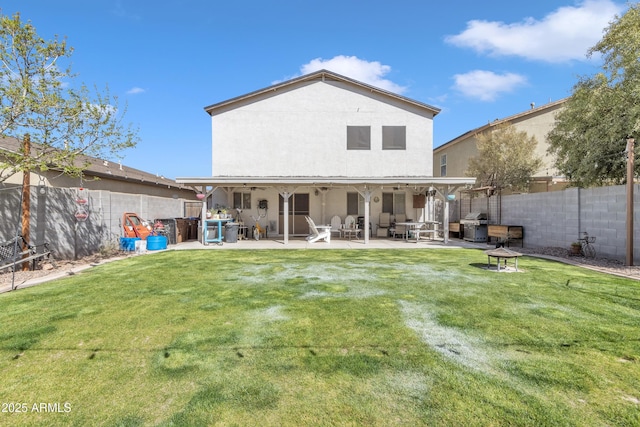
(166, 60)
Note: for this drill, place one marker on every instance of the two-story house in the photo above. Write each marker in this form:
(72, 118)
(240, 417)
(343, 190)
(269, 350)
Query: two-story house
(452, 157)
(323, 145)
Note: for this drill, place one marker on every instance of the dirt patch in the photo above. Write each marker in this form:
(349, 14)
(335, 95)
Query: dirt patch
(55, 267)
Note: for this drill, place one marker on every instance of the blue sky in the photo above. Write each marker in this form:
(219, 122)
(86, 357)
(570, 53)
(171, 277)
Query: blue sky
(167, 60)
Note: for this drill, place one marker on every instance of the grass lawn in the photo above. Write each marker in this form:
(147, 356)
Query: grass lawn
(322, 337)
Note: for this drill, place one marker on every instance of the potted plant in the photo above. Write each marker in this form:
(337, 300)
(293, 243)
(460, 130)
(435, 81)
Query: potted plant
(575, 248)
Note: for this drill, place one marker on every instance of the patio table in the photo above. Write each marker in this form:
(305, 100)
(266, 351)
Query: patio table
(217, 222)
(349, 232)
(410, 226)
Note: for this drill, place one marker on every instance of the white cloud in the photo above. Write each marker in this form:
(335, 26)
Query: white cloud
(371, 73)
(563, 35)
(487, 85)
(135, 91)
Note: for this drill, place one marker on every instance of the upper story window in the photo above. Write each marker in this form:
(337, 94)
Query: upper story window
(394, 137)
(358, 137)
(443, 165)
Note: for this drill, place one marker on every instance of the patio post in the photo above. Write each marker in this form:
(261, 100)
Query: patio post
(445, 220)
(367, 203)
(285, 206)
(630, 183)
(203, 216)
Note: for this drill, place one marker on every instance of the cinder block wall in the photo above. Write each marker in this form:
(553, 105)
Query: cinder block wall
(53, 220)
(557, 218)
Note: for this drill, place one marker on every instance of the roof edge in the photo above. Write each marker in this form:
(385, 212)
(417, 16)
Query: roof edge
(322, 74)
(500, 121)
(322, 181)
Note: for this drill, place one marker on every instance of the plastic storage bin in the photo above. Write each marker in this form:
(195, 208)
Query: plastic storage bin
(156, 243)
(128, 243)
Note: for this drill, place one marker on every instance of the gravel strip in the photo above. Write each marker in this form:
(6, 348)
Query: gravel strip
(605, 265)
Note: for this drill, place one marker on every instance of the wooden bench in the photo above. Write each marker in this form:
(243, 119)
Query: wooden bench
(454, 227)
(17, 252)
(506, 233)
(427, 232)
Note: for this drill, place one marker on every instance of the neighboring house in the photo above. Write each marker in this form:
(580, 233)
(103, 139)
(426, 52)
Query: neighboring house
(109, 188)
(452, 158)
(323, 145)
(100, 175)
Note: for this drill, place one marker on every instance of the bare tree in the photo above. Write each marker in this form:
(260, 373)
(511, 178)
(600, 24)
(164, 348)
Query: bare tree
(506, 158)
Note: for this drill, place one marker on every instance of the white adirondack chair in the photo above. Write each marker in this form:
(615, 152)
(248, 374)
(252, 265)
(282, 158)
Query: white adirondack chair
(316, 233)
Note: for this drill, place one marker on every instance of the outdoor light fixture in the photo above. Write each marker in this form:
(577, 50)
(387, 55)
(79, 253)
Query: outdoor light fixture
(42, 188)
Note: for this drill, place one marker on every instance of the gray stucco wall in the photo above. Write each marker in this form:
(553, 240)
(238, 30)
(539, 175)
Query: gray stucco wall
(53, 220)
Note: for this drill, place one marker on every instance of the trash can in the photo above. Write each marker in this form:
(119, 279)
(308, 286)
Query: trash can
(192, 229)
(231, 232)
(212, 232)
(182, 230)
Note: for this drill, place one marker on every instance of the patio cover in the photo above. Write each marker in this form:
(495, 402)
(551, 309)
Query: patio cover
(286, 186)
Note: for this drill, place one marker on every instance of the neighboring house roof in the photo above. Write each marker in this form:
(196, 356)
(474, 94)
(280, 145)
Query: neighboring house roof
(322, 75)
(101, 168)
(497, 122)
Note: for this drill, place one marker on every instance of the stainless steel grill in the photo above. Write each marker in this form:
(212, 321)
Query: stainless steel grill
(475, 226)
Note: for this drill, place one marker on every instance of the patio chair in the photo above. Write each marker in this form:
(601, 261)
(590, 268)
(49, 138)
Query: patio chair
(384, 222)
(336, 224)
(400, 230)
(350, 227)
(317, 234)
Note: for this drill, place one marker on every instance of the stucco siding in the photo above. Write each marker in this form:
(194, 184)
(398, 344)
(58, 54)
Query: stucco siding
(537, 123)
(538, 126)
(302, 132)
